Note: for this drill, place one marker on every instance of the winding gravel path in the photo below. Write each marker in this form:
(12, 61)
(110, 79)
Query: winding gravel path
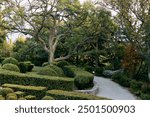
(112, 90)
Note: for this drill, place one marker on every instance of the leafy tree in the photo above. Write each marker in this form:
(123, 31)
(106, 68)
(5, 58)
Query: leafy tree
(43, 20)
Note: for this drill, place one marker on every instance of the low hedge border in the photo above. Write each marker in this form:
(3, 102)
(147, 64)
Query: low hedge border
(10, 77)
(70, 95)
(39, 92)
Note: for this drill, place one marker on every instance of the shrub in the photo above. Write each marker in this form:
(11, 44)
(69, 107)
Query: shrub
(68, 71)
(57, 69)
(30, 97)
(99, 71)
(47, 71)
(89, 69)
(61, 64)
(33, 90)
(20, 94)
(10, 60)
(11, 96)
(36, 80)
(145, 88)
(70, 95)
(11, 67)
(121, 78)
(86, 80)
(135, 86)
(144, 96)
(82, 82)
(5, 91)
(29, 65)
(47, 98)
(26, 66)
(23, 67)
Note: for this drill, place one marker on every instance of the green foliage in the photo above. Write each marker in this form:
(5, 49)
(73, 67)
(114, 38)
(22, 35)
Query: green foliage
(5, 91)
(82, 82)
(11, 67)
(70, 95)
(68, 71)
(145, 96)
(82, 79)
(26, 66)
(145, 88)
(11, 96)
(99, 71)
(36, 80)
(47, 98)
(47, 71)
(10, 60)
(61, 64)
(51, 70)
(135, 85)
(33, 90)
(20, 94)
(22, 98)
(121, 78)
(30, 97)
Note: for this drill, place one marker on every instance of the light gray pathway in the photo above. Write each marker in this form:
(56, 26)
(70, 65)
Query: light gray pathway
(112, 90)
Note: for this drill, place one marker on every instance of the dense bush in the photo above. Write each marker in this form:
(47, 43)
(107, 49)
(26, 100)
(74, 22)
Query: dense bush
(20, 94)
(33, 90)
(135, 86)
(121, 78)
(47, 71)
(11, 67)
(47, 98)
(86, 80)
(10, 60)
(11, 96)
(70, 95)
(5, 91)
(145, 88)
(145, 96)
(36, 80)
(89, 69)
(99, 71)
(51, 70)
(26, 66)
(82, 82)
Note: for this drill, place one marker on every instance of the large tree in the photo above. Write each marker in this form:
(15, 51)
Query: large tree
(43, 20)
(133, 19)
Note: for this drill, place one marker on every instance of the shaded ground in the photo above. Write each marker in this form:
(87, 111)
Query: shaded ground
(112, 90)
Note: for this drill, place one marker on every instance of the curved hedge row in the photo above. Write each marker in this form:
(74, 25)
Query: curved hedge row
(70, 95)
(38, 91)
(36, 80)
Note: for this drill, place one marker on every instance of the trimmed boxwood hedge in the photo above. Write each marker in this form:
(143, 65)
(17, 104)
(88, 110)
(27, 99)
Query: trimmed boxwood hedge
(70, 95)
(10, 60)
(39, 92)
(50, 82)
(82, 79)
(11, 67)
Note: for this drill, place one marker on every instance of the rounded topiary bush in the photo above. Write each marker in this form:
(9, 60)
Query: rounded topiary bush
(20, 94)
(11, 67)
(47, 98)
(5, 91)
(82, 82)
(23, 67)
(10, 60)
(29, 65)
(21, 98)
(57, 69)
(99, 71)
(47, 71)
